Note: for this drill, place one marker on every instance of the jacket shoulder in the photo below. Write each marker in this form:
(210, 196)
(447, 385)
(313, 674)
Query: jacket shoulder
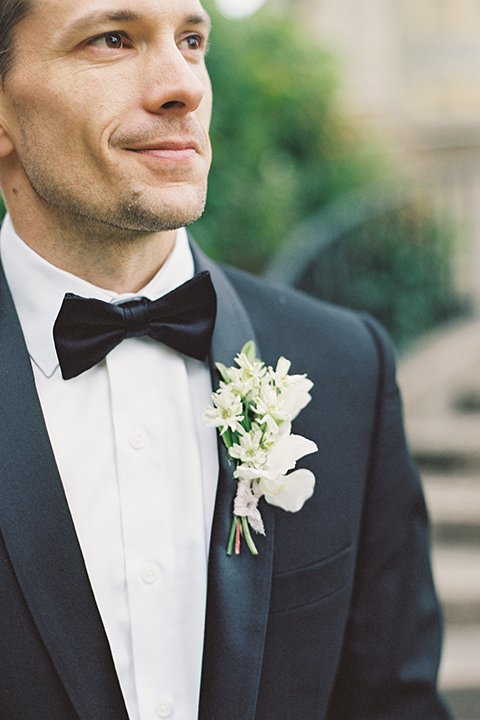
(289, 322)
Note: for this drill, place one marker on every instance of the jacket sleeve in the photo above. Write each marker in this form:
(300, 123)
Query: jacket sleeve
(391, 649)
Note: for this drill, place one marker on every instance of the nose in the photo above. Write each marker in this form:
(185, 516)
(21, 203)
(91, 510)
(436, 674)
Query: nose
(174, 86)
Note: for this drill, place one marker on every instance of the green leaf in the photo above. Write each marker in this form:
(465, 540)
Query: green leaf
(250, 350)
(223, 370)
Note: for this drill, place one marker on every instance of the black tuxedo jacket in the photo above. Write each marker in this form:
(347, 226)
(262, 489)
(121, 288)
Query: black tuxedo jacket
(336, 617)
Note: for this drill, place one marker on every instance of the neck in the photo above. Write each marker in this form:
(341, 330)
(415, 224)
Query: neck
(104, 256)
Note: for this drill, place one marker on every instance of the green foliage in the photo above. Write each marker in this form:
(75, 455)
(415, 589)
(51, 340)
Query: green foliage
(280, 146)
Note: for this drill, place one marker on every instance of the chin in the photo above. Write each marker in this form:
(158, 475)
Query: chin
(167, 214)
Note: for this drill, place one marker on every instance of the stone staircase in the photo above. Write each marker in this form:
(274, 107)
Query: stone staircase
(440, 383)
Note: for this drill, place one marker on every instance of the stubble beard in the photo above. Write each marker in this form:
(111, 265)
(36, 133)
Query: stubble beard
(129, 217)
(132, 216)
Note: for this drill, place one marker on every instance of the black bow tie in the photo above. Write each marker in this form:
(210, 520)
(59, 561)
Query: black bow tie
(86, 330)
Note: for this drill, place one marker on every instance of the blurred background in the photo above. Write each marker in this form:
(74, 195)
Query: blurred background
(346, 137)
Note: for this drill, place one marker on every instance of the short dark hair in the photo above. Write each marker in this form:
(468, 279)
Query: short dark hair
(11, 13)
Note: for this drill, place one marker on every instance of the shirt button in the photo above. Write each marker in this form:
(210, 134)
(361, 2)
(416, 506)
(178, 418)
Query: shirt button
(164, 707)
(137, 439)
(150, 573)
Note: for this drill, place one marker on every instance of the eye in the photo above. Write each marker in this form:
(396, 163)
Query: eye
(111, 40)
(193, 42)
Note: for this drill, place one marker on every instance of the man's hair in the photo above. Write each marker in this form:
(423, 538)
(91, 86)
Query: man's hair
(11, 13)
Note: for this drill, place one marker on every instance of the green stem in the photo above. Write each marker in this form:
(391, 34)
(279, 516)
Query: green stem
(227, 438)
(247, 421)
(248, 536)
(231, 539)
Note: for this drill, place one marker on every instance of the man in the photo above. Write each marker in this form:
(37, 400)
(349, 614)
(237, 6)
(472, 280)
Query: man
(115, 504)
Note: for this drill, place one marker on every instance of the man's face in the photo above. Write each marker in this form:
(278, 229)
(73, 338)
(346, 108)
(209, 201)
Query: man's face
(107, 108)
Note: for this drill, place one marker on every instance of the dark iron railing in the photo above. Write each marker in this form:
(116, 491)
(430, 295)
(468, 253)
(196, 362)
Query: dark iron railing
(380, 250)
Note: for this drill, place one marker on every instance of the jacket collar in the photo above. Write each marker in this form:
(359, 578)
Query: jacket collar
(238, 586)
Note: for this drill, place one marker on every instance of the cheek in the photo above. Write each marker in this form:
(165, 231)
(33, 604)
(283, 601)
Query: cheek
(204, 112)
(208, 99)
(74, 122)
(81, 100)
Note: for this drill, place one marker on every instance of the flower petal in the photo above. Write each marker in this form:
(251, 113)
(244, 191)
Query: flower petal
(297, 396)
(298, 488)
(287, 450)
(272, 485)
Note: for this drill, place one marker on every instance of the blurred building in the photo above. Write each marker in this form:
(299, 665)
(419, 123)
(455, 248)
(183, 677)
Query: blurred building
(409, 61)
(412, 69)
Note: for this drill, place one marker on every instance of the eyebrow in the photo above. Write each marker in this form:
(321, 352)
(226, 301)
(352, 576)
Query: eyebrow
(126, 16)
(103, 17)
(199, 20)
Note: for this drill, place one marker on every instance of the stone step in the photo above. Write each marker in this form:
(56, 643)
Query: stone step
(439, 368)
(457, 576)
(447, 442)
(464, 703)
(460, 667)
(454, 505)
(459, 678)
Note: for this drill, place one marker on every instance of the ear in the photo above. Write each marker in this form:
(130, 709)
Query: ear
(6, 142)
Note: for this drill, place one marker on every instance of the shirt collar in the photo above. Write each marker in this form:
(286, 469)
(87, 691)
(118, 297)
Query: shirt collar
(38, 289)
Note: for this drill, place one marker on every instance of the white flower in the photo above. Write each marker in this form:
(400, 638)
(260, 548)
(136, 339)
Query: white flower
(294, 390)
(246, 503)
(242, 384)
(299, 486)
(280, 377)
(246, 379)
(271, 409)
(288, 449)
(227, 412)
(255, 369)
(250, 450)
(296, 396)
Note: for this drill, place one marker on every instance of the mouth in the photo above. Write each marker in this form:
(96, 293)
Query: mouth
(170, 151)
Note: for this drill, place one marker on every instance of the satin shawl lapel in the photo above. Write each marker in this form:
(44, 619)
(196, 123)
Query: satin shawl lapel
(238, 586)
(40, 537)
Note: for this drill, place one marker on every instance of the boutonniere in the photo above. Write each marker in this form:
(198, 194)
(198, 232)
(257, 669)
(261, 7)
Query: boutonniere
(253, 410)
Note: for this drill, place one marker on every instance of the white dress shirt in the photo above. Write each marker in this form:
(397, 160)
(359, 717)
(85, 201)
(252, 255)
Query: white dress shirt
(139, 467)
